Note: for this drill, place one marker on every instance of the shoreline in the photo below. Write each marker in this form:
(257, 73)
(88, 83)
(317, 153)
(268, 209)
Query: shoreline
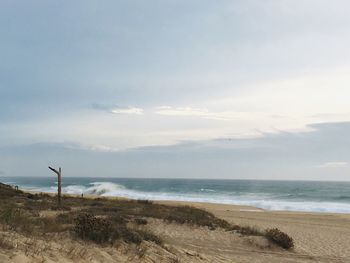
(199, 204)
(275, 196)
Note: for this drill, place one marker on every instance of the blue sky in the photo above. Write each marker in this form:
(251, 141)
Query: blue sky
(228, 89)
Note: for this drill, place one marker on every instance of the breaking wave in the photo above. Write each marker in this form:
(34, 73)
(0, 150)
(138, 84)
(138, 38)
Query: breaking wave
(264, 201)
(329, 197)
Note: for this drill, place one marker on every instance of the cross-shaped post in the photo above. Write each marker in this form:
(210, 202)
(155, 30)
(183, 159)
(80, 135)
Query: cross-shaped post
(58, 173)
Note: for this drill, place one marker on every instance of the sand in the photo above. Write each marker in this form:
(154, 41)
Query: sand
(319, 237)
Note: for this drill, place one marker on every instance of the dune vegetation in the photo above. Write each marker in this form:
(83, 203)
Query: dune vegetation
(107, 221)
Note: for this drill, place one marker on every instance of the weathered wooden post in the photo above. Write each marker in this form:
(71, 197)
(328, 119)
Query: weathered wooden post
(59, 173)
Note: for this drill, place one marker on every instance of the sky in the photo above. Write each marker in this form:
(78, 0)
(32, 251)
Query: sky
(234, 89)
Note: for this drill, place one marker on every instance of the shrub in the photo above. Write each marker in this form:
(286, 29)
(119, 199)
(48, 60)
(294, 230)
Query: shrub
(93, 228)
(65, 218)
(129, 209)
(195, 216)
(280, 238)
(60, 208)
(148, 236)
(107, 230)
(128, 235)
(6, 191)
(145, 202)
(5, 243)
(140, 221)
(118, 219)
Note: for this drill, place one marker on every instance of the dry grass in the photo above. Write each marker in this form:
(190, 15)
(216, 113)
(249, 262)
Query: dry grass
(105, 220)
(140, 221)
(135, 209)
(247, 230)
(107, 230)
(16, 219)
(280, 238)
(6, 243)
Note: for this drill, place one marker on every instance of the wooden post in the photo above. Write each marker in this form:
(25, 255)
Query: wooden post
(59, 185)
(59, 191)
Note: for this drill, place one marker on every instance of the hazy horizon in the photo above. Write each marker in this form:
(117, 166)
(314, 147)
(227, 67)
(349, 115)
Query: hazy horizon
(255, 90)
(174, 178)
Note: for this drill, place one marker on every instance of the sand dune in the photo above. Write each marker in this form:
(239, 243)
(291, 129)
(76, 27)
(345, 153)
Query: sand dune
(318, 238)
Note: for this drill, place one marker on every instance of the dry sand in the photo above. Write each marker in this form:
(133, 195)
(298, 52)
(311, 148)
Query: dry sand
(319, 237)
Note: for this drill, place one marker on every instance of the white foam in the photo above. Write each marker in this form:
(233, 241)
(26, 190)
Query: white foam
(207, 190)
(264, 201)
(103, 188)
(74, 189)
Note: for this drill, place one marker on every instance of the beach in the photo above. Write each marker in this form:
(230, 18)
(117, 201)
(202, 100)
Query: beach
(318, 237)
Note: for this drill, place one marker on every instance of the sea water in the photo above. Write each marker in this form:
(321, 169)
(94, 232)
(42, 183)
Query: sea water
(271, 195)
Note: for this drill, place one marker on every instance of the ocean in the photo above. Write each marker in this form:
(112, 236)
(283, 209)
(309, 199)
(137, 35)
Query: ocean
(271, 195)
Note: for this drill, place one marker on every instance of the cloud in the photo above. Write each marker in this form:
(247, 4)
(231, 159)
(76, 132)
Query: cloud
(283, 155)
(200, 112)
(127, 110)
(115, 109)
(333, 165)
